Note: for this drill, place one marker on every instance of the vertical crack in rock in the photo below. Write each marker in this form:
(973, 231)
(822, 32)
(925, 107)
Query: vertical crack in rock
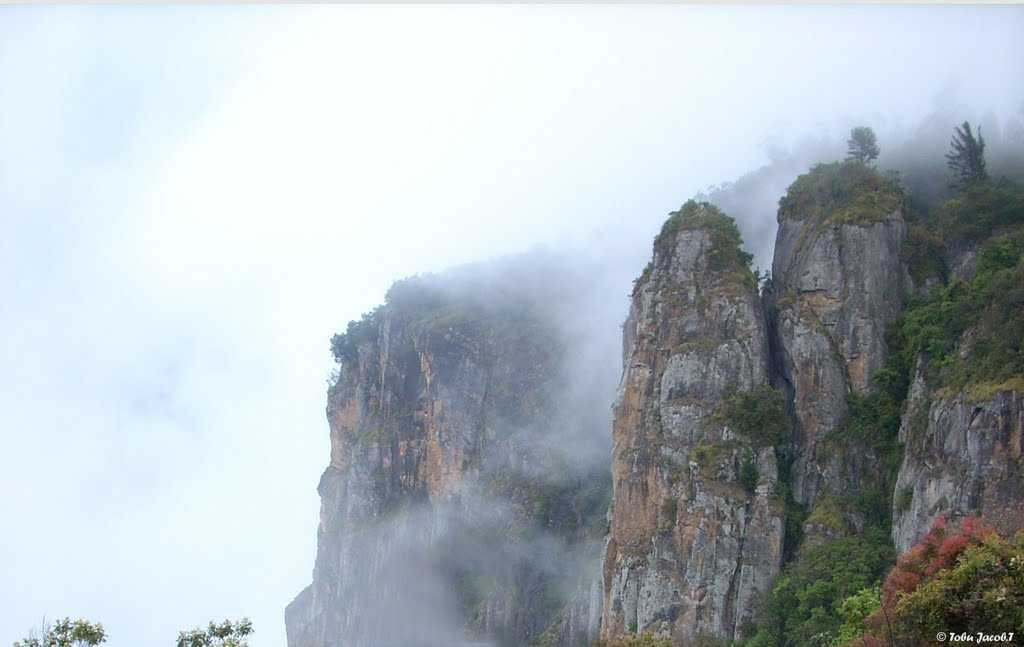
(835, 291)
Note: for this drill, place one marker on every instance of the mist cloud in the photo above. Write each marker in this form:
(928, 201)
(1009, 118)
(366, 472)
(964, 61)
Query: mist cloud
(193, 199)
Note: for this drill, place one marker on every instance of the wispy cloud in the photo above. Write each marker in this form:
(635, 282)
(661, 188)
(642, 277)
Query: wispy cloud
(193, 199)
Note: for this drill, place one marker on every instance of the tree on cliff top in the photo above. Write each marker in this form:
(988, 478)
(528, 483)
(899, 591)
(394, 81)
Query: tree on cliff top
(967, 157)
(862, 146)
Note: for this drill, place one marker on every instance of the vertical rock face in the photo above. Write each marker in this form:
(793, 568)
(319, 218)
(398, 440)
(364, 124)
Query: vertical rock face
(963, 457)
(456, 508)
(963, 427)
(467, 492)
(696, 527)
(837, 284)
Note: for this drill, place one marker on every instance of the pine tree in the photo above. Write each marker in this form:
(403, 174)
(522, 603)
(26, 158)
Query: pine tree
(862, 145)
(967, 157)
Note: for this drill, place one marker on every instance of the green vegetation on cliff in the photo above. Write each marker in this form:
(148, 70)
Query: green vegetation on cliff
(923, 252)
(803, 605)
(841, 193)
(978, 211)
(967, 336)
(345, 346)
(758, 415)
(957, 579)
(726, 243)
(726, 254)
(972, 333)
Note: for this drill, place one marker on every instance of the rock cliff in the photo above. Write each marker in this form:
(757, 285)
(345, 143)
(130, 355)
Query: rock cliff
(963, 458)
(963, 426)
(868, 388)
(462, 502)
(696, 524)
(719, 478)
(838, 283)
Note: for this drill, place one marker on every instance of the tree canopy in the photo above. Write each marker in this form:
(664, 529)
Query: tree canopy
(862, 146)
(66, 633)
(225, 634)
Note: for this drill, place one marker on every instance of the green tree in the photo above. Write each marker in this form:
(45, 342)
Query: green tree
(966, 157)
(803, 607)
(66, 633)
(225, 634)
(862, 146)
(854, 610)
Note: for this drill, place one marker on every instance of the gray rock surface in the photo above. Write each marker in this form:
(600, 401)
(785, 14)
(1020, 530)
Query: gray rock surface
(689, 548)
(836, 289)
(962, 457)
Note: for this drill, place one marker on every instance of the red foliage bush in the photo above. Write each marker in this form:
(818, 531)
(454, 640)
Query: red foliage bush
(936, 551)
(968, 563)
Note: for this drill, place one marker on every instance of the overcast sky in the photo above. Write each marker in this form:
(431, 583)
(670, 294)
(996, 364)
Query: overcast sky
(193, 199)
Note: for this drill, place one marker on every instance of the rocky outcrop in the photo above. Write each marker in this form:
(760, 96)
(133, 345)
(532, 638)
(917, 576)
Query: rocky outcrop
(467, 492)
(837, 285)
(696, 524)
(964, 456)
(453, 508)
(964, 418)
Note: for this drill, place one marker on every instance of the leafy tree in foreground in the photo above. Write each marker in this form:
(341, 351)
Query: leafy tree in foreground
(967, 157)
(862, 145)
(66, 633)
(225, 634)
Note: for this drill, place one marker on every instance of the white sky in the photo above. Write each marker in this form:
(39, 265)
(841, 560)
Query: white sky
(193, 199)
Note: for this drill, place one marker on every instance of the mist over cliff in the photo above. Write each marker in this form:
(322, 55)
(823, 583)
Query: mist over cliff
(470, 416)
(469, 421)
(195, 199)
(915, 151)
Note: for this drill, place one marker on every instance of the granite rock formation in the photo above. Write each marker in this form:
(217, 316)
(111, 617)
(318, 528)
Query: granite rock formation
(691, 545)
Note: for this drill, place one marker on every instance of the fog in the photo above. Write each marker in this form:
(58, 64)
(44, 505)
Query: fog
(520, 533)
(194, 199)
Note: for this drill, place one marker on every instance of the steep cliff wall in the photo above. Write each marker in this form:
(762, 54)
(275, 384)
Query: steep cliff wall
(468, 485)
(963, 428)
(459, 503)
(964, 457)
(696, 526)
(838, 282)
(900, 349)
